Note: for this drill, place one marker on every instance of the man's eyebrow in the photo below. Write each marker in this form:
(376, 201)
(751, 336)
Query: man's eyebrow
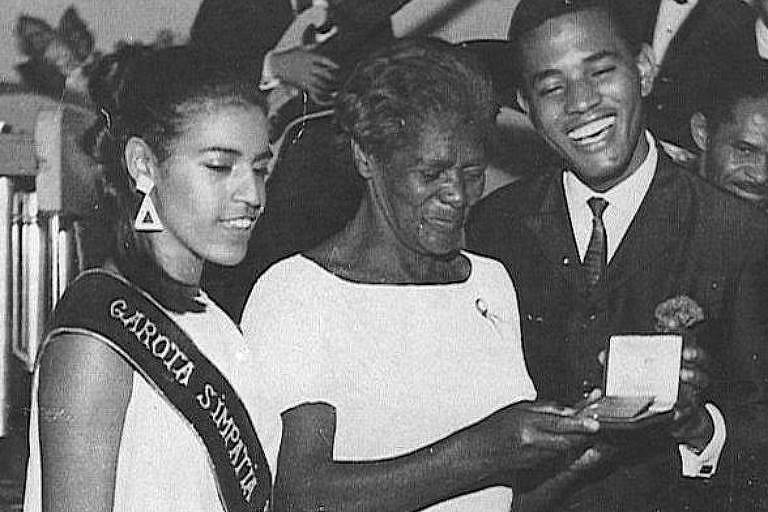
(219, 149)
(543, 75)
(604, 54)
(595, 57)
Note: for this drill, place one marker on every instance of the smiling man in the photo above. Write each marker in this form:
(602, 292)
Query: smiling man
(595, 245)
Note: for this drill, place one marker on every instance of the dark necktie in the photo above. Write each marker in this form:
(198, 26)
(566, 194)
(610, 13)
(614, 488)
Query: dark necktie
(596, 258)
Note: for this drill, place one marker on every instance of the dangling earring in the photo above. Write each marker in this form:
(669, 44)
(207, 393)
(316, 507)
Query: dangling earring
(147, 218)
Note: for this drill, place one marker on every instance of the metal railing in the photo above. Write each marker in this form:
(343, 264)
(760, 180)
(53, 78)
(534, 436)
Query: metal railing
(45, 188)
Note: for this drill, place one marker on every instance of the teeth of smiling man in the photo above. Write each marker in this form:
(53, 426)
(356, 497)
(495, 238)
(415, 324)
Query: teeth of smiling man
(239, 223)
(592, 130)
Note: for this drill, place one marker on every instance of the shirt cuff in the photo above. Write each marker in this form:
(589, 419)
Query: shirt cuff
(704, 464)
(761, 35)
(268, 79)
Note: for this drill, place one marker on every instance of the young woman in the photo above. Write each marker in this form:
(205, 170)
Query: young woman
(141, 389)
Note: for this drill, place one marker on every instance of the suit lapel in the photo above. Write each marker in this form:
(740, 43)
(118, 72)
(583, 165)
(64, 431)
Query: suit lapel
(647, 14)
(658, 227)
(551, 225)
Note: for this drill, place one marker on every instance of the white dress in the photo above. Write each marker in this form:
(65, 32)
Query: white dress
(404, 365)
(162, 464)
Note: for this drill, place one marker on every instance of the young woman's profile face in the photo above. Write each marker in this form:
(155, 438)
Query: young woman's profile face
(210, 189)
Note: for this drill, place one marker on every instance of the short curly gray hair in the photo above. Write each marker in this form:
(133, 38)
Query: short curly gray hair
(388, 97)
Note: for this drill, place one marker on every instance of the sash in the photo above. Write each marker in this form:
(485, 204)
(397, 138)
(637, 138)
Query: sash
(131, 323)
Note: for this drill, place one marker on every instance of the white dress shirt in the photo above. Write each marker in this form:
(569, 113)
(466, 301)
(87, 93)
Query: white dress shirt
(624, 200)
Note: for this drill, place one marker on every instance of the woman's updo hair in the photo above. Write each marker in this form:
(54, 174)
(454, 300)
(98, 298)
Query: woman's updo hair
(151, 94)
(388, 97)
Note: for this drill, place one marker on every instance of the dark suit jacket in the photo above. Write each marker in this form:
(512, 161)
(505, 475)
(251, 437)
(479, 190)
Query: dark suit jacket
(717, 37)
(687, 238)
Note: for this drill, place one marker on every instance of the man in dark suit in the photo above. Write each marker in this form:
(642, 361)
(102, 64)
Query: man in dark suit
(596, 245)
(693, 40)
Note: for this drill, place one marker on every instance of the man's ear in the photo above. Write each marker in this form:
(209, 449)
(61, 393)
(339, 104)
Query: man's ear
(522, 101)
(363, 162)
(699, 130)
(646, 67)
(140, 159)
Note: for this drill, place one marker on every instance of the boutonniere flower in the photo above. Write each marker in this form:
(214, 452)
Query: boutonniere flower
(678, 314)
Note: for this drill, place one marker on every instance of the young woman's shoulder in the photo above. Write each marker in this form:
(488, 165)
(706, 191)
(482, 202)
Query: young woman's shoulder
(80, 358)
(81, 362)
(84, 389)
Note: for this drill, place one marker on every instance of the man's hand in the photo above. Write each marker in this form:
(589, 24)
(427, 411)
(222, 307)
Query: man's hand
(692, 423)
(305, 69)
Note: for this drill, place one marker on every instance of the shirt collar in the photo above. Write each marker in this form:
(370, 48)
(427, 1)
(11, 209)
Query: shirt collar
(627, 195)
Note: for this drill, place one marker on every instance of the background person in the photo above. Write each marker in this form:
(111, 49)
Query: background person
(732, 135)
(246, 33)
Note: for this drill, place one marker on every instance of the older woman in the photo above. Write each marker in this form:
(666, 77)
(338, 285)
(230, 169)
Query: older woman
(392, 355)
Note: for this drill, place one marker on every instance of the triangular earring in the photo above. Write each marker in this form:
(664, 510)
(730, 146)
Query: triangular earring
(147, 219)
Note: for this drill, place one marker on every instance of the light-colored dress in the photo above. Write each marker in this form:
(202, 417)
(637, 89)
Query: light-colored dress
(162, 464)
(404, 365)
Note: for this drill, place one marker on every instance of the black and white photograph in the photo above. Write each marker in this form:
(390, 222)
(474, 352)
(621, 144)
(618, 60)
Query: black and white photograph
(384, 256)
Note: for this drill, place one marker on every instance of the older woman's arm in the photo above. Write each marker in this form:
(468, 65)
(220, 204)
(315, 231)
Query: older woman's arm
(487, 453)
